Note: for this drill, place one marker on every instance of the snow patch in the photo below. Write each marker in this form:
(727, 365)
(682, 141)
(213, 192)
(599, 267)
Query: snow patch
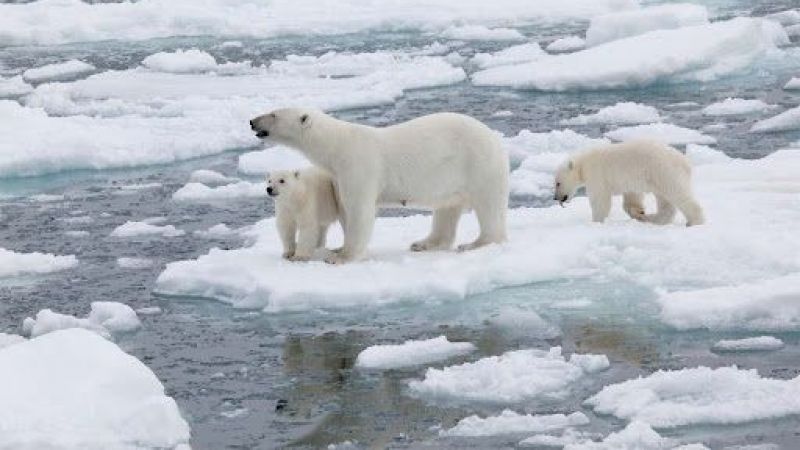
(411, 353)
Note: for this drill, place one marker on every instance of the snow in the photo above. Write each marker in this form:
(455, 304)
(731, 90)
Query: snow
(566, 44)
(512, 377)
(210, 177)
(105, 318)
(7, 340)
(794, 83)
(788, 17)
(748, 344)
(134, 263)
(13, 264)
(693, 396)
(271, 159)
(622, 113)
(516, 54)
(61, 21)
(135, 229)
(793, 30)
(72, 389)
(785, 121)
(510, 422)
(619, 25)
(664, 132)
(219, 230)
(703, 154)
(198, 192)
(734, 106)
(59, 71)
(14, 87)
(411, 353)
(481, 33)
(696, 53)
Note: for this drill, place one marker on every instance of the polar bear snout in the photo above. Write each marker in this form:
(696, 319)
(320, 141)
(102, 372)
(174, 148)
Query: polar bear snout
(262, 124)
(272, 192)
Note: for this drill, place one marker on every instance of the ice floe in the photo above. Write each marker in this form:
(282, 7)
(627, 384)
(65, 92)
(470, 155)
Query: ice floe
(411, 353)
(105, 318)
(785, 121)
(198, 192)
(510, 422)
(758, 343)
(512, 377)
(10, 339)
(273, 158)
(482, 33)
(134, 229)
(72, 389)
(516, 54)
(219, 230)
(794, 83)
(733, 106)
(192, 61)
(623, 113)
(14, 264)
(618, 25)
(693, 396)
(664, 132)
(566, 44)
(210, 177)
(134, 263)
(14, 87)
(59, 71)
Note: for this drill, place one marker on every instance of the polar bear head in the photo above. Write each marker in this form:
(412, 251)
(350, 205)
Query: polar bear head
(568, 180)
(283, 183)
(288, 126)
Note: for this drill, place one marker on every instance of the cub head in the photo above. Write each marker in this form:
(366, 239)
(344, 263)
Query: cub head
(568, 180)
(282, 182)
(286, 126)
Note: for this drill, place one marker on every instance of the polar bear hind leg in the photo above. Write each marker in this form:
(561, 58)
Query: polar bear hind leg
(492, 220)
(664, 214)
(633, 204)
(443, 231)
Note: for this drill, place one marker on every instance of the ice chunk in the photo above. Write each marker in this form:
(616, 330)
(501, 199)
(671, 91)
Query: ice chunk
(59, 71)
(133, 229)
(74, 389)
(14, 87)
(733, 106)
(104, 319)
(272, 159)
(149, 311)
(566, 44)
(7, 340)
(210, 177)
(509, 422)
(621, 113)
(636, 435)
(481, 33)
(13, 264)
(411, 353)
(181, 61)
(219, 230)
(618, 25)
(698, 53)
(785, 121)
(703, 154)
(77, 233)
(664, 132)
(793, 30)
(512, 55)
(525, 321)
(794, 83)
(748, 344)
(197, 192)
(509, 378)
(134, 263)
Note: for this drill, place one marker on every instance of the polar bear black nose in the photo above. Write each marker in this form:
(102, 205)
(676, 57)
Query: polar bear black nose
(253, 124)
(269, 190)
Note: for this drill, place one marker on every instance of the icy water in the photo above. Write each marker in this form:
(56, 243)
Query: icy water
(248, 379)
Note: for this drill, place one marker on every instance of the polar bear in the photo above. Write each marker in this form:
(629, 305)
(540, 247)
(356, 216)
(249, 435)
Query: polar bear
(632, 169)
(447, 162)
(305, 206)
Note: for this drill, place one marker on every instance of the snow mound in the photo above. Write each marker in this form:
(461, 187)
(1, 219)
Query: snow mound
(481, 33)
(13, 264)
(104, 319)
(785, 121)
(697, 53)
(210, 177)
(134, 263)
(566, 44)
(794, 83)
(623, 113)
(72, 389)
(7, 340)
(748, 344)
(510, 422)
(619, 25)
(133, 229)
(512, 55)
(664, 132)
(198, 192)
(734, 106)
(14, 87)
(272, 159)
(727, 395)
(509, 378)
(56, 72)
(411, 353)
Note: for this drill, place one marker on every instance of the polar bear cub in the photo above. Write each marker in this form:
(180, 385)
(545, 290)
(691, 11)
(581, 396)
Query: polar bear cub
(632, 169)
(305, 206)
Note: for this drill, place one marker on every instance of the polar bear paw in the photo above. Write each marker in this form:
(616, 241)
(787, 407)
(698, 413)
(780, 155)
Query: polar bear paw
(427, 246)
(288, 255)
(336, 258)
(299, 258)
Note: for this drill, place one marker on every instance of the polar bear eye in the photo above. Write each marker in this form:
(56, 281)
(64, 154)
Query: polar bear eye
(282, 181)
(558, 184)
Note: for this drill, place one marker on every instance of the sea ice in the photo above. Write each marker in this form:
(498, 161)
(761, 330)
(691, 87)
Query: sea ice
(664, 132)
(411, 353)
(14, 87)
(516, 54)
(619, 25)
(192, 61)
(703, 154)
(134, 263)
(566, 44)
(481, 33)
(219, 230)
(198, 192)
(788, 17)
(104, 319)
(272, 159)
(210, 178)
(133, 229)
(794, 83)
(13, 264)
(748, 344)
(57, 72)
(7, 340)
(785, 121)
(623, 113)
(510, 422)
(733, 106)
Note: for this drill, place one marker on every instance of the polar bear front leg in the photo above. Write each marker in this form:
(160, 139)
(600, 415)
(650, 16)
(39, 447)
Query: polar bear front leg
(633, 204)
(360, 211)
(601, 204)
(443, 230)
(307, 238)
(287, 229)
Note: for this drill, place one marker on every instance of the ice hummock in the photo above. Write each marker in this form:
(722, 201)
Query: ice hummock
(73, 389)
(510, 422)
(105, 318)
(13, 264)
(411, 353)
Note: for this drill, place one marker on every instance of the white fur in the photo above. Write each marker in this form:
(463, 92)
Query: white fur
(305, 206)
(632, 169)
(447, 162)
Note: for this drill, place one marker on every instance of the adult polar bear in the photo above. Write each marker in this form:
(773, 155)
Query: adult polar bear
(448, 162)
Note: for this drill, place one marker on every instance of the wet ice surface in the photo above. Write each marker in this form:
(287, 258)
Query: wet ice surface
(247, 379)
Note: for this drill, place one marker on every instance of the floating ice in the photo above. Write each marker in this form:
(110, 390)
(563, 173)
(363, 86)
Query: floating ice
(77, 233)
(703, 154)
(14, 87)
(785, 121)
(509, 378)
(635, 436)
(60, 71)
(191, 61)
(481, 33)
(748, 344)
(516, 54)
(7, 340)
(411, 353)
(73, 389)
(210, 177)
(59, 21)
(134, 263)
(566, 44)
(664, 132)
(794, 83)
(526, 321)
(272, 159)
(219, 230)
(510, 422)
(733, 106)
(133, 229)
(149, 311)
(620, 113)
(727, 395)
(104, 319)
(697, 53)
(13, 264)
(197, 192)
(619, 25)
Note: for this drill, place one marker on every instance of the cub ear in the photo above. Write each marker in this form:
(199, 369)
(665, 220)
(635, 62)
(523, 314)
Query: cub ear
(304, 119)
(297, 174)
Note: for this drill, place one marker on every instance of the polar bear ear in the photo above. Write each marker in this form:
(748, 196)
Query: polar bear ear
(304, 119)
